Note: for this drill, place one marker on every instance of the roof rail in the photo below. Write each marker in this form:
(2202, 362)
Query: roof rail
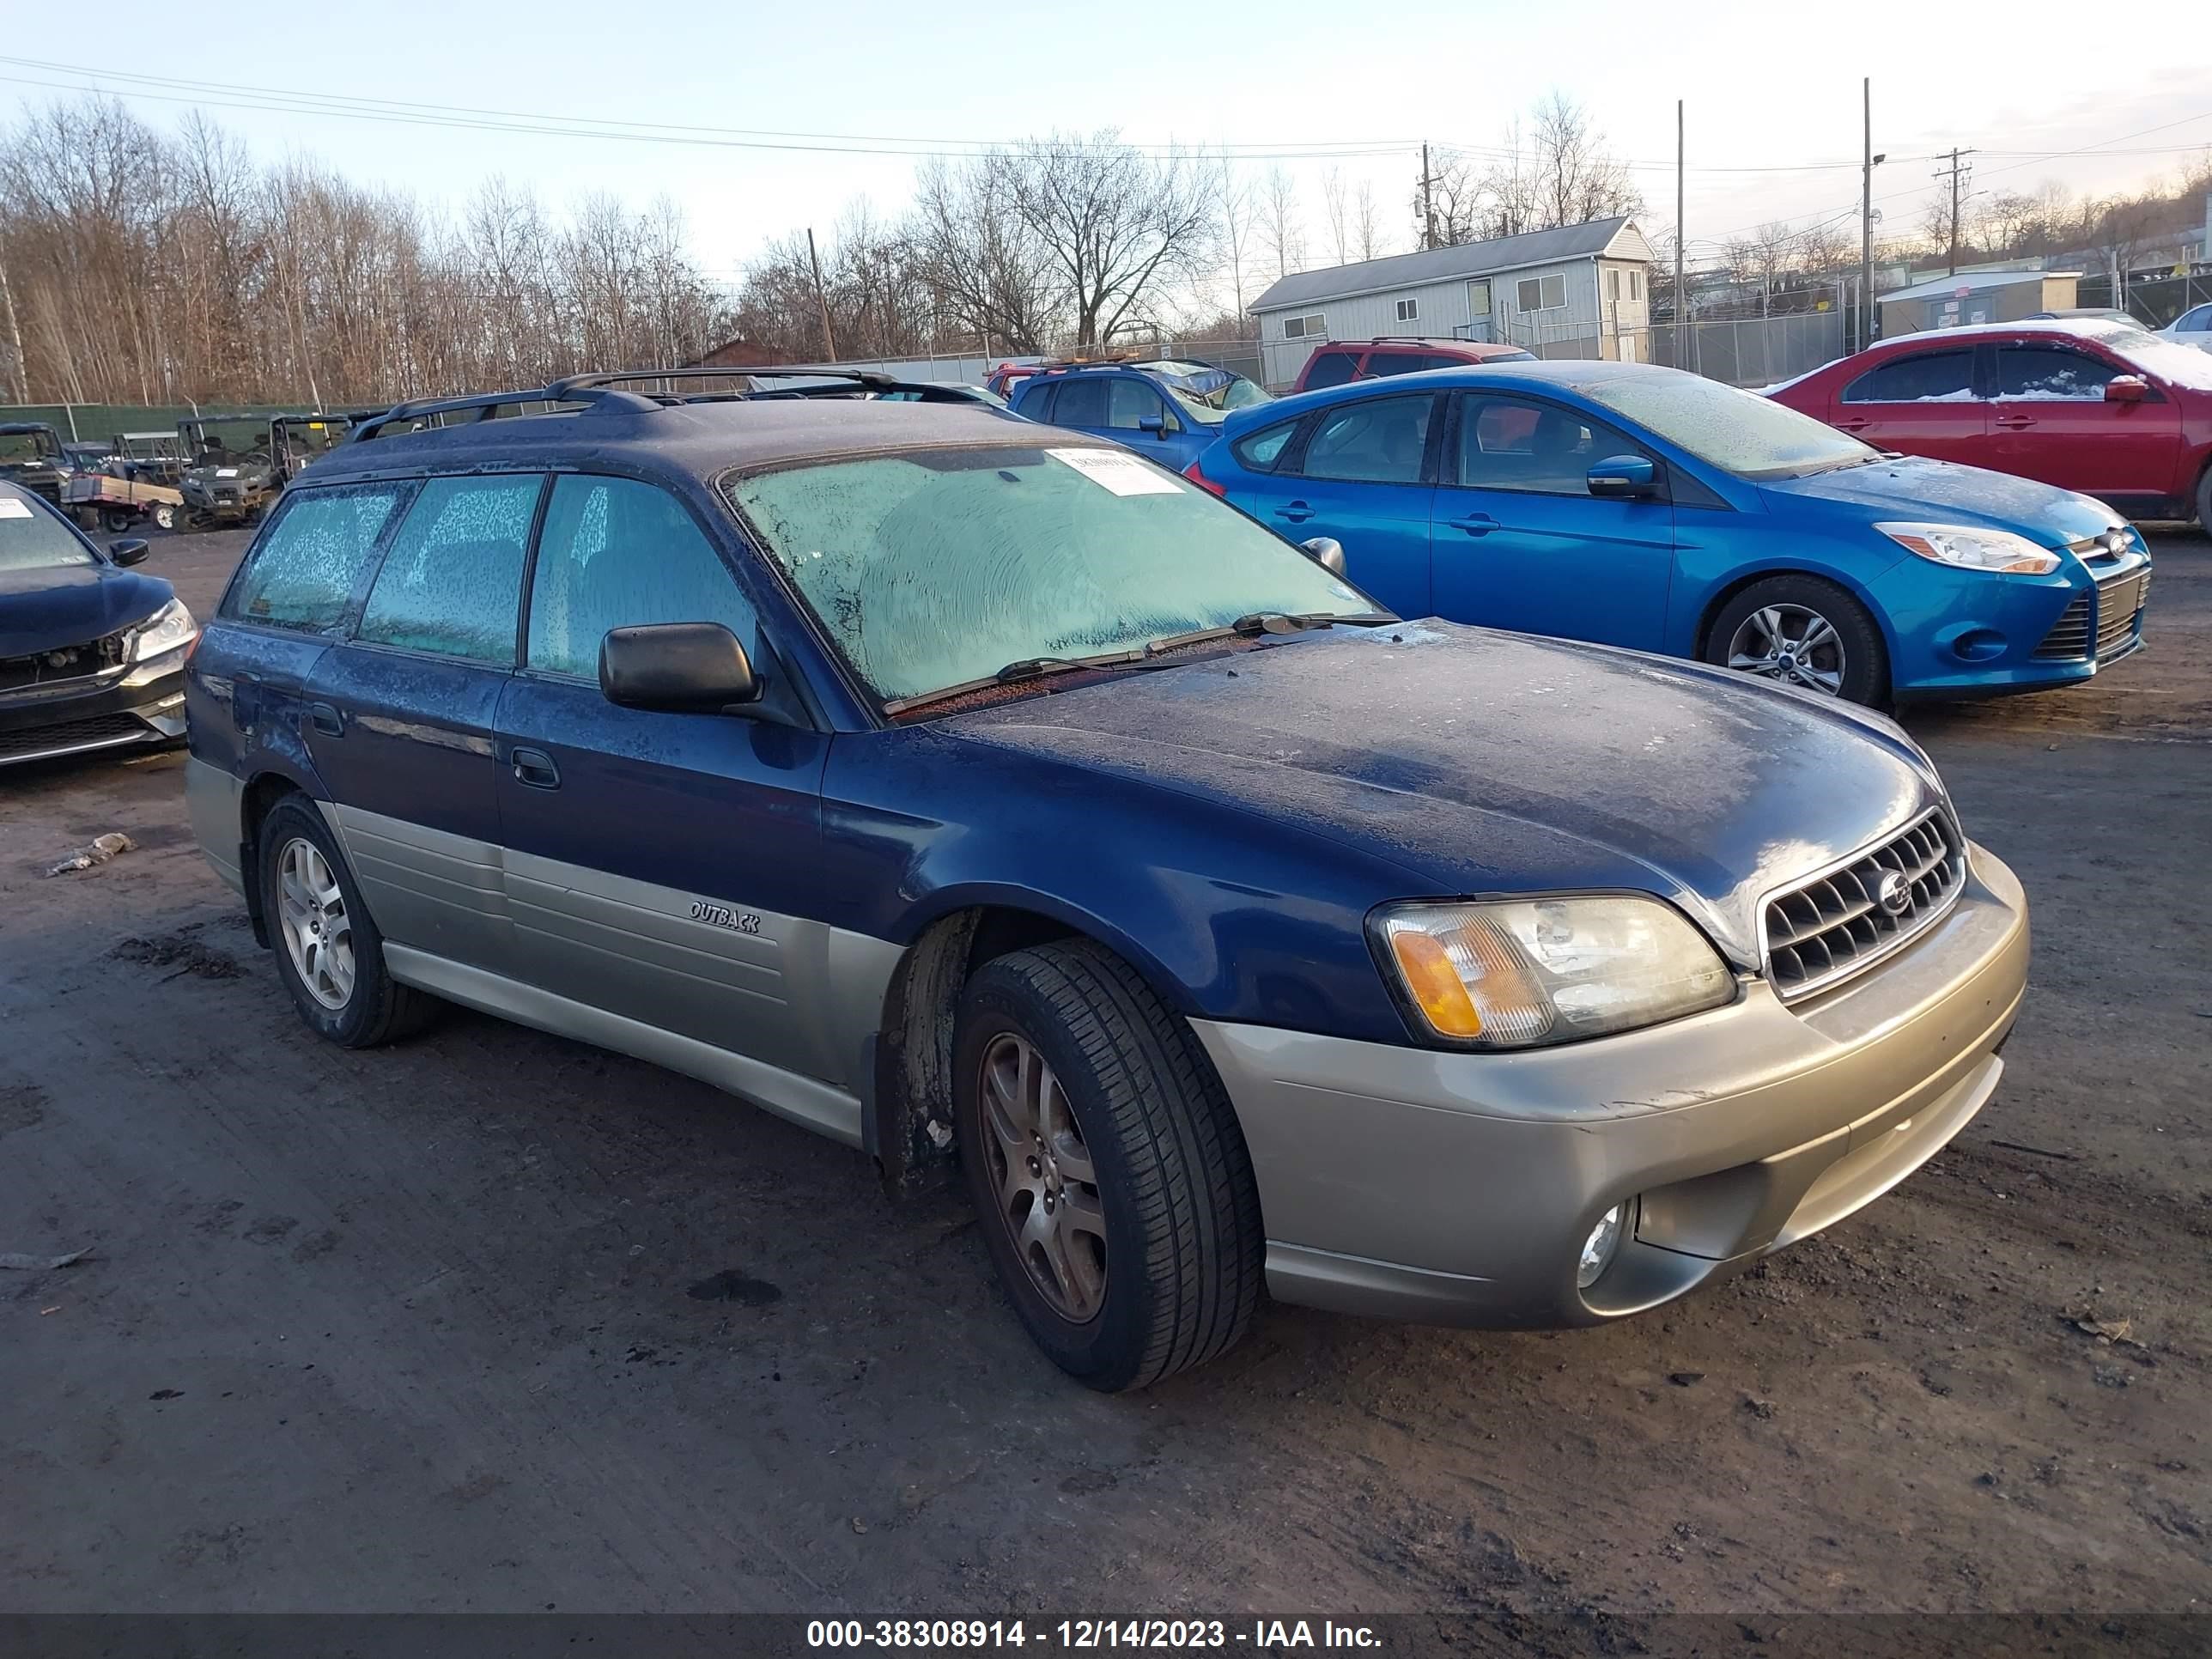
(485, 402)
(873, 380)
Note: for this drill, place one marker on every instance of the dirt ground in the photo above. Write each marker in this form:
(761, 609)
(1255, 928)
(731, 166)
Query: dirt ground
(493, 1321)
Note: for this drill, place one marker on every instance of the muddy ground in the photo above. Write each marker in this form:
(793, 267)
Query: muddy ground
(492, 1320)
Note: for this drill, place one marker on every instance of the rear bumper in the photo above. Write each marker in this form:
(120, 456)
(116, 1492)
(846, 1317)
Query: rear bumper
(1457, 1188)
(113, 713)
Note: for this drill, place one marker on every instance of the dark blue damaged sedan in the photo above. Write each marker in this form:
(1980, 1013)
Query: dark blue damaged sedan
(1009, 808)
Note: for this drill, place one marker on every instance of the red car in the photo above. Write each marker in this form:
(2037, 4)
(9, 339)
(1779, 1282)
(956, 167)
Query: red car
(2110, 411)
(1340, 361)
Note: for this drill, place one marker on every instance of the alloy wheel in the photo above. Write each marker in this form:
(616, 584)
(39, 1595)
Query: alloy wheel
(311, 910)
(1792, 643)
(1042, 1172)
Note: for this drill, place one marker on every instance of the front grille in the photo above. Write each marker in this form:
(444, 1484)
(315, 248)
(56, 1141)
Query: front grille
(1834, 926)
(65, 662)
(2115, 609)
(70, 734)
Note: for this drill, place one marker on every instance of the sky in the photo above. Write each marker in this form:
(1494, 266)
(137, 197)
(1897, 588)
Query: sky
(1772, 96)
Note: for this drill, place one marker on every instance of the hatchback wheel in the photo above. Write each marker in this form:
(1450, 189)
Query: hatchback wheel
(1805, 632)
(1106, 1165)
(329, 953)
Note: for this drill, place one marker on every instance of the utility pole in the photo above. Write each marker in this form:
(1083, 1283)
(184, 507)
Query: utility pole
(1866, 216)
(821, 298)
(1958, 174)
(1682, 297)
(1428, 206)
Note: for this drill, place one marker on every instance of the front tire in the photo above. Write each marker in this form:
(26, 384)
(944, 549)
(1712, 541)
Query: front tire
(2204, 501)
(329, 954)
(1106, 1166)
(165, 516)
(1803, 631)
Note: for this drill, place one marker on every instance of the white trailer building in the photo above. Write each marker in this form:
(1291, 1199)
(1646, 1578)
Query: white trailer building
(1579, 291)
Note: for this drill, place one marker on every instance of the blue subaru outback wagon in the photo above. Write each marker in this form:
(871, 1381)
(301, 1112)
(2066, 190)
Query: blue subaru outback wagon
(1000, 804)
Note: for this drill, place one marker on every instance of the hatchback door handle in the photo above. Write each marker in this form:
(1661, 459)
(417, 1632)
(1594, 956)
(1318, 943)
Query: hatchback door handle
(326, 719)
(1475, 523)
(1296, 512)
(535, 768)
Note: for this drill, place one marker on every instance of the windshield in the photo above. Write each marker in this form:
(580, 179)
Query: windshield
(1739, 432)
(2168, 360)
(935, 567)
(23, 448)
(225, 443)
(32, 539)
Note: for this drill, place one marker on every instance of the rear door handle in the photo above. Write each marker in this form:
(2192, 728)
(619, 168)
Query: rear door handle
(1475, 523)
(2015, 420)
(1852, 426)
(535, 768)
(326, 719)
(1296, 512)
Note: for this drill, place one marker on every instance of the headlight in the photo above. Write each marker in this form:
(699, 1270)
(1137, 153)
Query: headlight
(167, 628)
(1973, 549)
(1512, 974)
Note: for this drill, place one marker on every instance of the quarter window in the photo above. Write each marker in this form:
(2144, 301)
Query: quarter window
(1923, 377)
(1509, 443)
(1262, 450)
(2048, 374)
(1379, 441)
(304, 573)
(452, 582)
(616, 553)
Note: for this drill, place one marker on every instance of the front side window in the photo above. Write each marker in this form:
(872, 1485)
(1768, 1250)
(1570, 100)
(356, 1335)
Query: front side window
(936, 568)
(616, 553)
(1920, 377)
(2051, 374)
(1513, 443)
(452, 584)
(1128, 403)
(1378, 441)
(1081, 402)
(1331, 368)
(307, 569)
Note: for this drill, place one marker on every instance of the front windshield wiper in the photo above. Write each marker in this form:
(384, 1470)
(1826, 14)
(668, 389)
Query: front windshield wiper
(1268, 621)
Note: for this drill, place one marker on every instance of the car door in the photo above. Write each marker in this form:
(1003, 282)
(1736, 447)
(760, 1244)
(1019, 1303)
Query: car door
(2051, 420)
(658, 863)
(1076, 401)
(1157, 429)
(1519, 541)
(1920, 403)
(1364, 472)
(400, 717)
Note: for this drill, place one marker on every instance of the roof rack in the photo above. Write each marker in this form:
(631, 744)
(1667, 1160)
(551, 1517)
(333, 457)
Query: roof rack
(415, 409)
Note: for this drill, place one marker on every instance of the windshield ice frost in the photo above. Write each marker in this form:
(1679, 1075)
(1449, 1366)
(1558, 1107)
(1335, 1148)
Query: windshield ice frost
(1738, 432)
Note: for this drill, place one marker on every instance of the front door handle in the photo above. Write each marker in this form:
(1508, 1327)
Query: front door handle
(535, 768)
(1296, 512)
(325, 719)
(1475, 523)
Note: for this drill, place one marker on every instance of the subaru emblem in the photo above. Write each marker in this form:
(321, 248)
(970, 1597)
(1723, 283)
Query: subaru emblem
(1893, 893)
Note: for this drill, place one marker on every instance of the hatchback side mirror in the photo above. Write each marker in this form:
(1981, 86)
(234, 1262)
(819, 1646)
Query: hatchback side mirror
(1625, 478)
(133, 550)
(1326, 551)
(685, 667)
(2126, 389)
(1156, 425)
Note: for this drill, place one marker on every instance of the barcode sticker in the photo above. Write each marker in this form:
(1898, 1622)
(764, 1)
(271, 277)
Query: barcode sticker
(12, 508)
(1125, 475)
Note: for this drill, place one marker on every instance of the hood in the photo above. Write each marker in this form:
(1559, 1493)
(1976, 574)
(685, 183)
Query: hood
(1484, 763)
(50, 606)
(1913, 488)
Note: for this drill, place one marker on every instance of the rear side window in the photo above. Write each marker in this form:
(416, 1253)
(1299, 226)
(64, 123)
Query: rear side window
(1331, 368)
(616, 553)
(1382, 364)
(1081, 403)
(1378, 441)
(452, 582)
(1262, 451)
(1925, 377)
(305, 572)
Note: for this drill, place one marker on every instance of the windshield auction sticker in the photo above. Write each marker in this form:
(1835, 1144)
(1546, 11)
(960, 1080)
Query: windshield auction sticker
(1125, 475)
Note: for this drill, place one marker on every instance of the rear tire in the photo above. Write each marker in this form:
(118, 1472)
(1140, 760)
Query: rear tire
(329, 954)
(2204, 501)
(1074, 1081)
(1772, 619)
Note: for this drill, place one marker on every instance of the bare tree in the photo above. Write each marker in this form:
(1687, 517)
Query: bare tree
(1281, 231)
(1558, 171)
(1332, 189)
(1762, 256)
(990, 271)
(1239, 211)
(1366, 229)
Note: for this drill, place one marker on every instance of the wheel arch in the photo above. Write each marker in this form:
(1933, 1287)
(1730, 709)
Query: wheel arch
(1730, 586)
(263, 790)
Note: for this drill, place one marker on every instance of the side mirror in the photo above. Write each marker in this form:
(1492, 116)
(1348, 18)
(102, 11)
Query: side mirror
(694, 668)
(2126, 389)
(1155, 424)
(1326, 551)
(1625, 478)
(133, 550)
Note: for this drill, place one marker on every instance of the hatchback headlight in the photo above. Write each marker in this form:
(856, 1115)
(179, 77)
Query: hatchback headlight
(1517, 973)
(165, 630)
(1969, 549)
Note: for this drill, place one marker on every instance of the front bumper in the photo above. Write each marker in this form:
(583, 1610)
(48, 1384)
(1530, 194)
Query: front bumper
(1964, 635)
(126, 707)
(1457, 1188)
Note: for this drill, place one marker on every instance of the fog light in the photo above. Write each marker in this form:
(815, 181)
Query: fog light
(1600, 1248)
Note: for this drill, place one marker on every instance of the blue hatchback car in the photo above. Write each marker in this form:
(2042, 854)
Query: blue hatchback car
(1637, 505)
(1009, 809)
(1166, 409)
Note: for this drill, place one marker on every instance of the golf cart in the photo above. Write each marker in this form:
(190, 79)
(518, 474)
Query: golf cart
(228, 476)
(148, 457)
(31, 458)
(296, 441)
